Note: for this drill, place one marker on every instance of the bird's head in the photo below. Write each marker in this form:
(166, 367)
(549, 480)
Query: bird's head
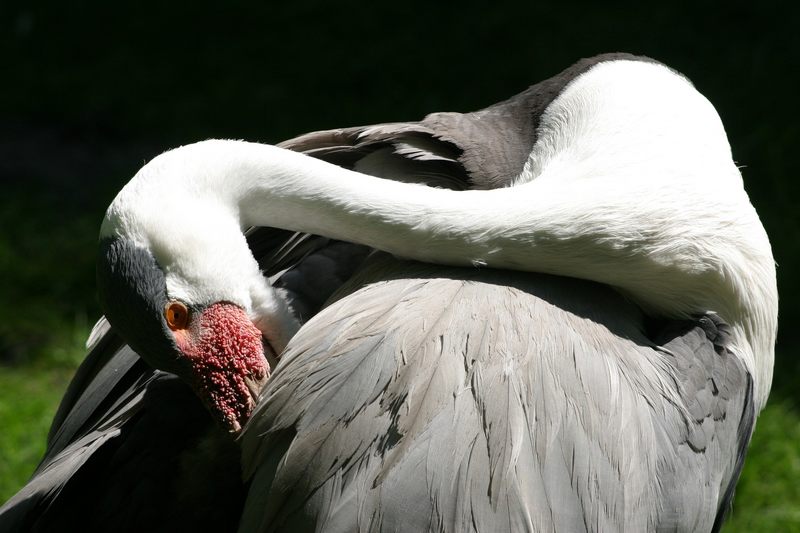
(178, 282)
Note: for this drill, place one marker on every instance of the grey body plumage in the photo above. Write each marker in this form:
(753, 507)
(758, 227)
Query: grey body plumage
(462, 400)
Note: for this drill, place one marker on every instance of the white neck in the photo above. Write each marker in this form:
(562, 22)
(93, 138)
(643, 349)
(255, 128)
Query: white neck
(677, 235)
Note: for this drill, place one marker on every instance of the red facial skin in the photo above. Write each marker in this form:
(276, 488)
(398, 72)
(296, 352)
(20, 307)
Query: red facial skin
(223, 348)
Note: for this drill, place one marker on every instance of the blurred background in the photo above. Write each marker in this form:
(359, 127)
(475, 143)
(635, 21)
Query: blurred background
(91, 90)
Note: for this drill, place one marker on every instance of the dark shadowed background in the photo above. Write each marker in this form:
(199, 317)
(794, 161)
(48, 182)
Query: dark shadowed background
(89, 91)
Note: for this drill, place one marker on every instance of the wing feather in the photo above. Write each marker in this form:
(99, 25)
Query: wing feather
(463, 400)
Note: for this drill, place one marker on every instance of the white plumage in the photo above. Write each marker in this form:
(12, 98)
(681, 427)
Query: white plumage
(630, 183)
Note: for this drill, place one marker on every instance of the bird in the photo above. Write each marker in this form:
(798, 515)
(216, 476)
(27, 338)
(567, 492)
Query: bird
(557, 313)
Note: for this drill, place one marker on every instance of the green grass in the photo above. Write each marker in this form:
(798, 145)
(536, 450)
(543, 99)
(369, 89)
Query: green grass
(29, 396)
(768, 494)
(27, 405)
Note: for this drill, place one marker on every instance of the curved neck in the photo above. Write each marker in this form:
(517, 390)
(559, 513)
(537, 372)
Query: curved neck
(671, 258)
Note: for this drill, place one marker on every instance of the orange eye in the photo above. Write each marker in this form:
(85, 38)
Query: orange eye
(177, 315)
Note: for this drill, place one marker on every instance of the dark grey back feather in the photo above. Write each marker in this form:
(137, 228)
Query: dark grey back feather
(484, 149)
